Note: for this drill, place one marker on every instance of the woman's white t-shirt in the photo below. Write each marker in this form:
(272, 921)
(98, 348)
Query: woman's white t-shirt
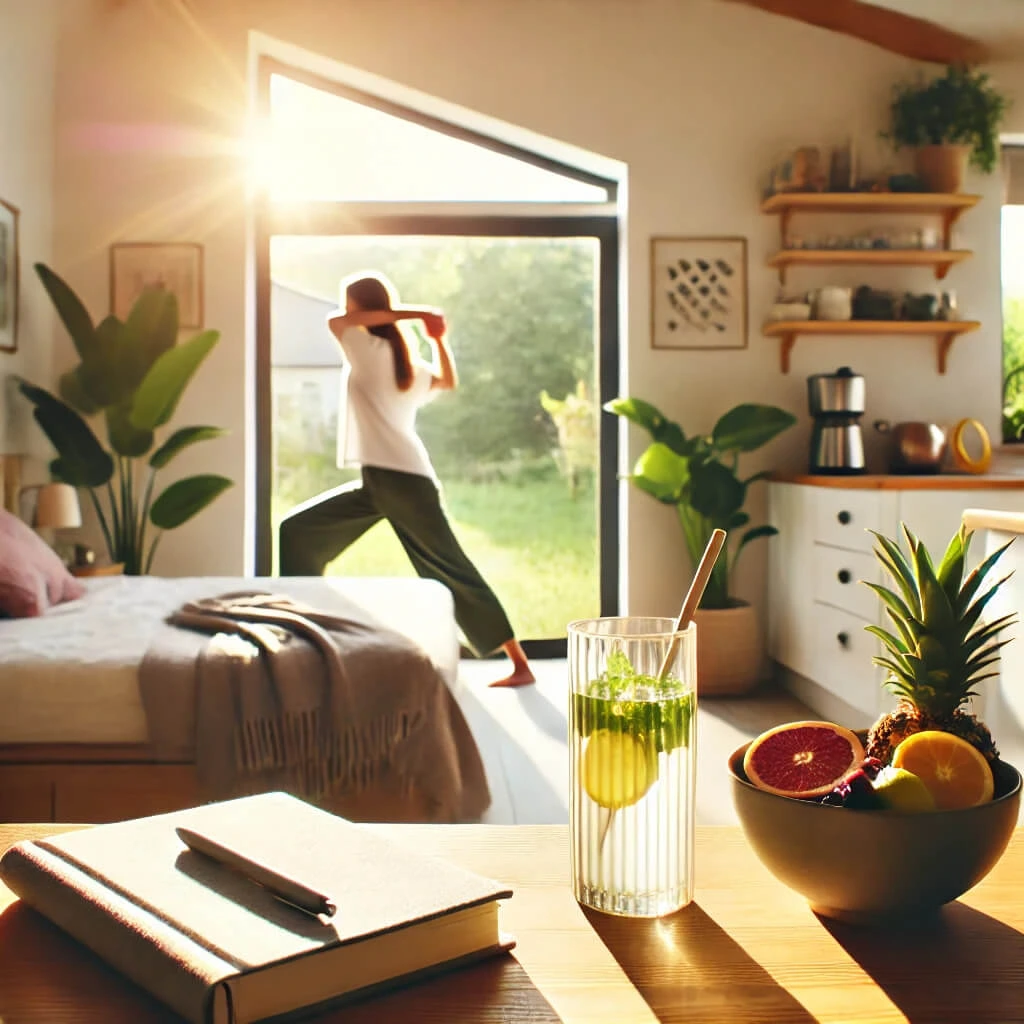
(376, 421)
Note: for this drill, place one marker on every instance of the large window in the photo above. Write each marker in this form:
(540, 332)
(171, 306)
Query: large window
(520, 252)
(1013, 298)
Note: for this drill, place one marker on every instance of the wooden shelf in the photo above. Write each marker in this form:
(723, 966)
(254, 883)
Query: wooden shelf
(944, 481)
(945, 332)
(940, 260)
(948, 207)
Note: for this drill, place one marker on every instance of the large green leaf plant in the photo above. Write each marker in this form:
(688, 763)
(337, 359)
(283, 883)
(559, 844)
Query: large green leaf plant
(133, 374)
(698, 477)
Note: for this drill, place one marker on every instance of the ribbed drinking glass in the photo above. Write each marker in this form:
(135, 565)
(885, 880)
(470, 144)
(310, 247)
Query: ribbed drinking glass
(632, 756)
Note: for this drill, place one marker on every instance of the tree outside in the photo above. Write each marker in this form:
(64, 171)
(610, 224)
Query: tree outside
(1013, 323)
(519, 487)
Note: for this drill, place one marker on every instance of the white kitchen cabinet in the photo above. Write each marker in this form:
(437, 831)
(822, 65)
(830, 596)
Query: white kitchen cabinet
(818, 606)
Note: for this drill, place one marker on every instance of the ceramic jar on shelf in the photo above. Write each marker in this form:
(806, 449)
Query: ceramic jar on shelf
(832, 303)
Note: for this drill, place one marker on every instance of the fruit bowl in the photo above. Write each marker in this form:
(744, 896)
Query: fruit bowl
(875, 866)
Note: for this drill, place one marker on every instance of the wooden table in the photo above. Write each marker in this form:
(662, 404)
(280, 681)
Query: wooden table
(746, 950)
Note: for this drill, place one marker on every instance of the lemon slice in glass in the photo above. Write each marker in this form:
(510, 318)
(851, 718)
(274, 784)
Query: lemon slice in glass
(617, 768)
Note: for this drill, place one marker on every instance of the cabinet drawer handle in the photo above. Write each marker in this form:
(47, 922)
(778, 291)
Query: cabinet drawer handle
(844, 575)
(845, 518)
(844, 639)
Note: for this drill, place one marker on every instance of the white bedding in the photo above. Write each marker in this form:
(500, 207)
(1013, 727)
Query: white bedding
(71, 676)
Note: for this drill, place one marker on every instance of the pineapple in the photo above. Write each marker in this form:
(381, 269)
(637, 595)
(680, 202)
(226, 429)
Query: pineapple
(940, 644)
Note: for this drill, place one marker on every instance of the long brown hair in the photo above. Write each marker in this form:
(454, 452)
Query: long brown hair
(371, 292)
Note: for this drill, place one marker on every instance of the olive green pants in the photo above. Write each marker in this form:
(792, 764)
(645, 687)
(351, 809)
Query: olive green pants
(317, 531)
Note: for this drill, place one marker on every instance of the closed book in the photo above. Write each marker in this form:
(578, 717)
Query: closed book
(217, 947)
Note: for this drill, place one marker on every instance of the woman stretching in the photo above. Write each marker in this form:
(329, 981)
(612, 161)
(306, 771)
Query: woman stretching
(386, 386)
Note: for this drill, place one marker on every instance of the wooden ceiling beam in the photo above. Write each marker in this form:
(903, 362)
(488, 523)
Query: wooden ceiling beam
(892, 30)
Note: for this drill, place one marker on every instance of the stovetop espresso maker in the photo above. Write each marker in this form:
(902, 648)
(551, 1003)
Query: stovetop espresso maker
(836, 401)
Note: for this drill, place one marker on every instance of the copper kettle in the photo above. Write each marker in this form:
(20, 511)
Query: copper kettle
(914, 447)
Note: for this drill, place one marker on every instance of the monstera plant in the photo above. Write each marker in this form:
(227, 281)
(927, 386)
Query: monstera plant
(132, 374)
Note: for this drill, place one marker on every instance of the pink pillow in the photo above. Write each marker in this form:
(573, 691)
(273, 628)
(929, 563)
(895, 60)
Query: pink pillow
(32, 576)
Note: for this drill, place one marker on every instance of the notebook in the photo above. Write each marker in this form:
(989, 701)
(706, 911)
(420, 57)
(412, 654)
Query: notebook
(220, 949)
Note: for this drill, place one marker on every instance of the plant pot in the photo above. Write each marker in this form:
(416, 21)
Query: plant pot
(730, 650)
(942, 168)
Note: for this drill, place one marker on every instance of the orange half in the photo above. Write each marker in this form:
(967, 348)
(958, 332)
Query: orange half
(956, 773)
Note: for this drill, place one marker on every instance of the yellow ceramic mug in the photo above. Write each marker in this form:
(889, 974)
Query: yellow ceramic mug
(961, 457)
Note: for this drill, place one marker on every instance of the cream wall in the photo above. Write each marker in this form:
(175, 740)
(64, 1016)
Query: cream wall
(695, 97)
(27, 50)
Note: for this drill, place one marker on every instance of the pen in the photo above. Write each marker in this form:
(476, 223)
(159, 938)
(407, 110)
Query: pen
(285, 888)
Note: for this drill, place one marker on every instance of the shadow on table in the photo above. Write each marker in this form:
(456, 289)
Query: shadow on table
(48, 978)
(959, 964)
(687, 968)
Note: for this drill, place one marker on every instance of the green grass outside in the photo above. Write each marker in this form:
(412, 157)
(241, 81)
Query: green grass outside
(534, 544)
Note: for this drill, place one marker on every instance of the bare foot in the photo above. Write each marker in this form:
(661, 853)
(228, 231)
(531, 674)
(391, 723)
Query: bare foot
(519, 677)
(521, 674)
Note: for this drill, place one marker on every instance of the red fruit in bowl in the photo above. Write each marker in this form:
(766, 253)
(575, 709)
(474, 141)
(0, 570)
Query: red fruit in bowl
(855, 791)
(804, 760)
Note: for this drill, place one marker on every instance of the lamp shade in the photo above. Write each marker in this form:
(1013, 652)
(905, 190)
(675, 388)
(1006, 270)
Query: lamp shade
(57, 507)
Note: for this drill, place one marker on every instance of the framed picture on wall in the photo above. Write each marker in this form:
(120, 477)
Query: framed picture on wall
(8, 277)
(176, 266)
(699, 292)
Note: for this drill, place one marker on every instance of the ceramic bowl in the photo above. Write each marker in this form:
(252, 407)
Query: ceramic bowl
(875, 866)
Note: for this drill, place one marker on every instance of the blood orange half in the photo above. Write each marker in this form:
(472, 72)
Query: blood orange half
(803, 760)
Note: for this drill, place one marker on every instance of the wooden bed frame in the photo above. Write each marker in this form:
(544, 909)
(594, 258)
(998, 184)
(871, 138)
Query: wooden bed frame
(95, 783)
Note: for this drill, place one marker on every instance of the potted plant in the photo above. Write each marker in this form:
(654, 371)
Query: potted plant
(133, 373)
(950, 121)
(698, 476)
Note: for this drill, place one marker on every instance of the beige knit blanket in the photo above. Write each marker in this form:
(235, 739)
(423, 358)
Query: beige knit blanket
(267, 693)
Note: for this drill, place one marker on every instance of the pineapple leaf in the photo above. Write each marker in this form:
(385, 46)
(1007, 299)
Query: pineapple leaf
(976, 577)
(919, 670)
(898, 610)
(889, 554)
(895, 684)
(936, 609)
(898, 688)
(897, 671)
(935, 653)
(984, 658)
(971, 615)
(988, 675)
(951, 570)
(987, 630)
(906, 635)
(983, 665)
(980, 637)
(892, 643)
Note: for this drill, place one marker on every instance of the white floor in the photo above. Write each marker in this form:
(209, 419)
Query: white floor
(522, 736)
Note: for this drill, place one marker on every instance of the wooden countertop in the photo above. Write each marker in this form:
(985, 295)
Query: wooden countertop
(988, 519)
(747, 950)
(898, 482)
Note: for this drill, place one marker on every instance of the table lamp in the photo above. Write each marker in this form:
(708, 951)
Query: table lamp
(57, 507)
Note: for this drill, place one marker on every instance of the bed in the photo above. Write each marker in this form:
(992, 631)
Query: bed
(74, 742)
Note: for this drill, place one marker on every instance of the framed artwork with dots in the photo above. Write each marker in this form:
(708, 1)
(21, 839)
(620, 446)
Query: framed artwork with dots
(699, 293)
